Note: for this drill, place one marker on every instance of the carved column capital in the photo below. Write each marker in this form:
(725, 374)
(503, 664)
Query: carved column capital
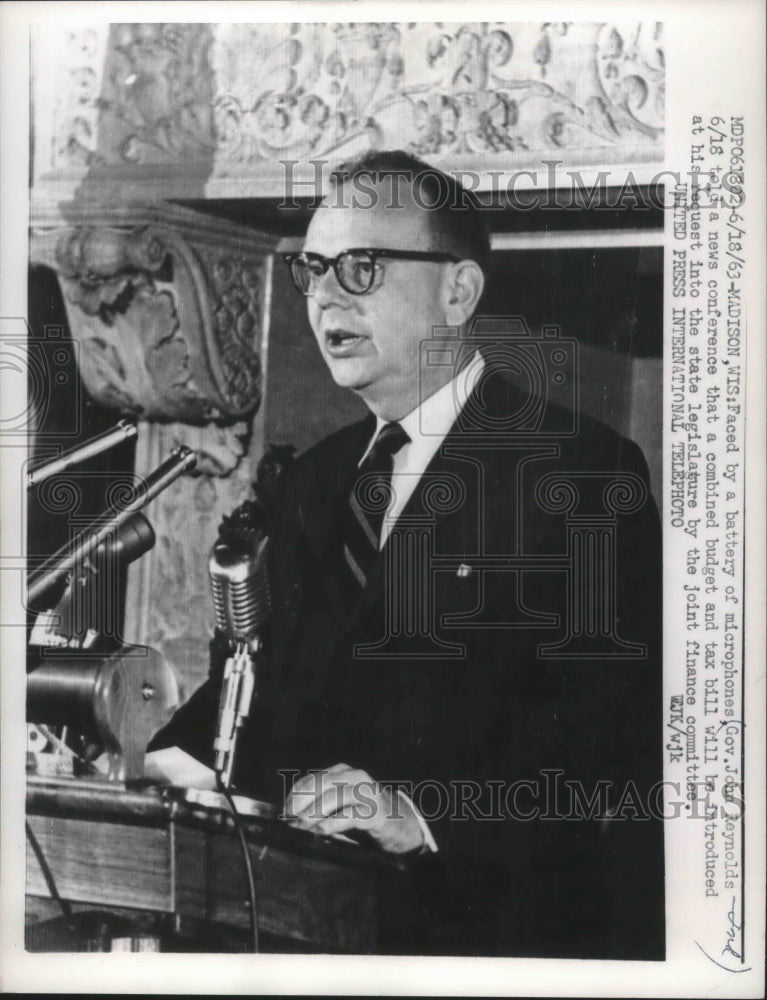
(167, 311)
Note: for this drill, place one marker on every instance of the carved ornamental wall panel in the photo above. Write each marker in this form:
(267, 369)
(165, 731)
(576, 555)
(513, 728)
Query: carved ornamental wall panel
(201, 108)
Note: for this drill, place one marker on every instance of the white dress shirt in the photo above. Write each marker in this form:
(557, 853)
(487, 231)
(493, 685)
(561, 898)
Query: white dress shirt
(427, 426)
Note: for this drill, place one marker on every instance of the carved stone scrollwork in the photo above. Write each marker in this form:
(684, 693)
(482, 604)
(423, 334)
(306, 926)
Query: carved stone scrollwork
(209, 99)
(133, 356)
(98, 264)
(168, 327)
(237, 286)
(219, 450)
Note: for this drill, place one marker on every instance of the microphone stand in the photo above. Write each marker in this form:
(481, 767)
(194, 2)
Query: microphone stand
(84, 544)
(234, 706)
(101, 442)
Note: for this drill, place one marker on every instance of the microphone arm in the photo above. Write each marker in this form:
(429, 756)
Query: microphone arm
(101, 442)
(82, 545)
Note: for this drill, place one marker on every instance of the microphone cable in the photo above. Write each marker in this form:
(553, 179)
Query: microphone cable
(252, 899)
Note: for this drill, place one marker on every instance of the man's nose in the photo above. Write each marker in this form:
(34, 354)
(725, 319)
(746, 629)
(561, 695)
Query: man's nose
(327, 291)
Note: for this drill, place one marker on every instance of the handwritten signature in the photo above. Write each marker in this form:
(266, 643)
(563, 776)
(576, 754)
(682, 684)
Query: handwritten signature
(729, 948)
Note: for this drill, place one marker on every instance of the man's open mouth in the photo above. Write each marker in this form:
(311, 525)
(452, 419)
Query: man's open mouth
(341, 338)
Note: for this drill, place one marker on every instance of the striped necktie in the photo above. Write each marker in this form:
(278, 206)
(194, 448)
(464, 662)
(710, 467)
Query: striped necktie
(369, 500)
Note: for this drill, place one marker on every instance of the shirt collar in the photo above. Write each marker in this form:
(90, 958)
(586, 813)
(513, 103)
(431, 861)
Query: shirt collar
(434, 417)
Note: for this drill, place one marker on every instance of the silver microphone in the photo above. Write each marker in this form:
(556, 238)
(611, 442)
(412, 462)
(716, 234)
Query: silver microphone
(240, 585)
(242, 602)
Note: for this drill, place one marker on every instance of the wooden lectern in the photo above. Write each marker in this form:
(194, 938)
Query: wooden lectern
(168, 859)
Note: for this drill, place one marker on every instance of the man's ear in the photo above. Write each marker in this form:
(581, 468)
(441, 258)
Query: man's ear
(464, 283)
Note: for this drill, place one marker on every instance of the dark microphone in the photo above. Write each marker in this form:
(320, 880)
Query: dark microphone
(83, 544)
(242, 602)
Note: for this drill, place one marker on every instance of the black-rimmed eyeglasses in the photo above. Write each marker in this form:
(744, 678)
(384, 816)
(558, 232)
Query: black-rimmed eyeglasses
(355, 269)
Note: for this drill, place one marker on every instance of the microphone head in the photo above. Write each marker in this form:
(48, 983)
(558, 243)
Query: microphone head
(130, 540)
(240, 584)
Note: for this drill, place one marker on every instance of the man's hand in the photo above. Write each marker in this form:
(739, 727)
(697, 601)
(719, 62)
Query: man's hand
(344, 798)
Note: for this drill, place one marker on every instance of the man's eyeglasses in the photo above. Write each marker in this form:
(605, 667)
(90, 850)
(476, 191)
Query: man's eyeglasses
(355, 269)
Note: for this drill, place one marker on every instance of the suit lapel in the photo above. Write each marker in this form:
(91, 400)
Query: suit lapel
(327, 490)
(448, 527)
(455, 528)
(321, 510)
(327, 494)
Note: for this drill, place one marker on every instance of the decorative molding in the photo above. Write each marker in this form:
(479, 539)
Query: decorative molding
(186, 105)
(236, 284)
(168, 321)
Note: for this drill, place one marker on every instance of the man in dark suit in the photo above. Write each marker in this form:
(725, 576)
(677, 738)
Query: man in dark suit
(464, 653)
